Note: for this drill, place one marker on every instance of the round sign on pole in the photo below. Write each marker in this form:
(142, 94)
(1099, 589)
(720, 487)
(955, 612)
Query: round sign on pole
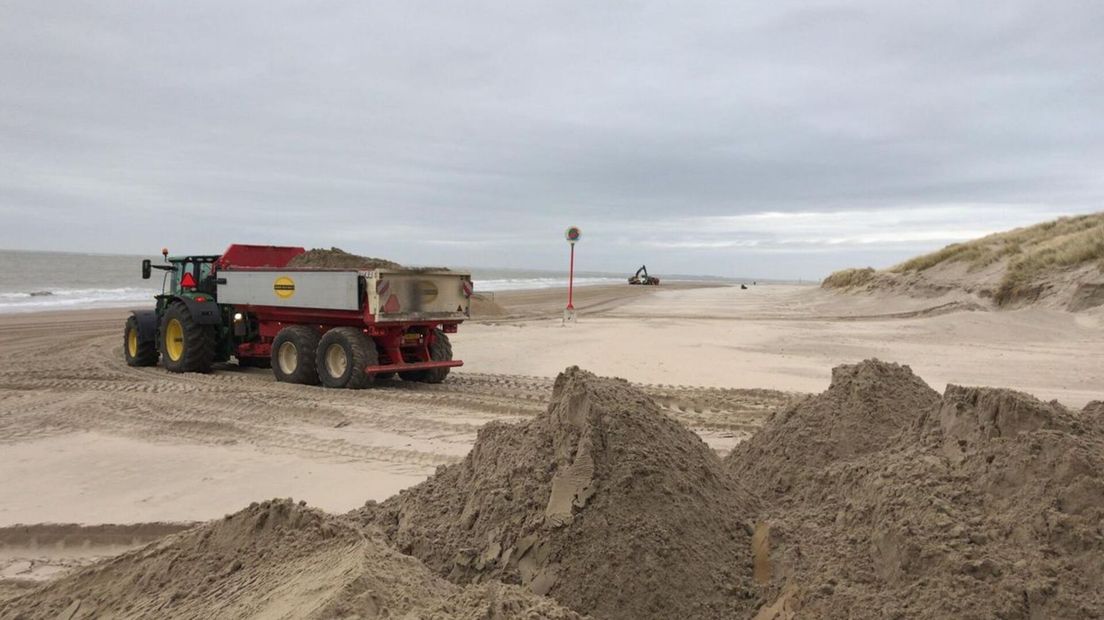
(572, 235)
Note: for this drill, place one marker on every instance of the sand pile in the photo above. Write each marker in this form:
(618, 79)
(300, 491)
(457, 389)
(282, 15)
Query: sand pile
(990, 504)
(277, 559)
(602, 502)
(336, 258)
(865, 405)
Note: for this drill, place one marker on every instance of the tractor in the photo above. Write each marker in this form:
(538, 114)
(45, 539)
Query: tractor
(341, 328)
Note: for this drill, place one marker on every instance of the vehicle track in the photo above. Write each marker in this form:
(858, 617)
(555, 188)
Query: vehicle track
(78, 382)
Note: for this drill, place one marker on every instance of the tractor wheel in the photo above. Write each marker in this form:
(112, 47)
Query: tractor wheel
(185, 345)
(343, 353)
(255, 362)
(293, 353)
(384, 376)
(439, 351)
(135, 351)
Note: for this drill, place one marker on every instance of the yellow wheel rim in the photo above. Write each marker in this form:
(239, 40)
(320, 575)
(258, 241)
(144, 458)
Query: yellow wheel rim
(287, 356)
(174, 340)
(336, 361)
(132, 342)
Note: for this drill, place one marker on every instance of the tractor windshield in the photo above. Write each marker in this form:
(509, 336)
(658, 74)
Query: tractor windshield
(199, 269)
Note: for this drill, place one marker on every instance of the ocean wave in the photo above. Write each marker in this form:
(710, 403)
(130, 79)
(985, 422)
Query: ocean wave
(46, 298)
(69, 299)
(517, 284)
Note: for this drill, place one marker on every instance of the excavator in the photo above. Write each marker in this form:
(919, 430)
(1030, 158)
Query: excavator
(641, 277)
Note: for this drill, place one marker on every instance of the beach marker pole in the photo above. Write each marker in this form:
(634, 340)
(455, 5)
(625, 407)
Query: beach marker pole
(573, 234)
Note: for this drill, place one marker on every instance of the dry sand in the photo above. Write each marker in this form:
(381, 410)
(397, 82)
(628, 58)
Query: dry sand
(789, 337)
(980, 503)
(884, 499)
(85, 439)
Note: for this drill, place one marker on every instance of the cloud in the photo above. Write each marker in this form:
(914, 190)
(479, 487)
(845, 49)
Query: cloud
(714, 137)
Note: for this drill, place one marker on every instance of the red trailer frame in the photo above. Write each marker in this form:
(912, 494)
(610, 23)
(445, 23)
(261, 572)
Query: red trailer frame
(403, 345)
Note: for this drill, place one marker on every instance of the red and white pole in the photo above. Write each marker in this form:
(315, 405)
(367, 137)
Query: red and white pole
(573, 235)
(571, 281)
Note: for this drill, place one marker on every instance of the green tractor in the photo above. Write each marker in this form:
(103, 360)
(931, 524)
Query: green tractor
(186, 329)
(336, 327)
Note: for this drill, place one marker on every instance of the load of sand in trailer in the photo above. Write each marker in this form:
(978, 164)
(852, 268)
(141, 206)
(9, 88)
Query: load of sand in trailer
(336, 258)
(1058, 264)
(876, 498)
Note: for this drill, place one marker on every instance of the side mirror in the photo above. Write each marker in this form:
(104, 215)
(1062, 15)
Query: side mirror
(147, 268)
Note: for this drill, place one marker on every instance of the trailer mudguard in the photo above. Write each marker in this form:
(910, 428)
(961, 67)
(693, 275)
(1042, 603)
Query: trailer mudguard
(147, 324)
(203, 312)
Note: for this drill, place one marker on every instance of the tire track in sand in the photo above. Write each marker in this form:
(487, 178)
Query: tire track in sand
(76, 381)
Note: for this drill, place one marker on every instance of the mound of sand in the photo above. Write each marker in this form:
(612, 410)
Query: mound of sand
(336, 258)
(602, 502)
(276, 559)
(1057, 264)
(988, 504)
(865, 406)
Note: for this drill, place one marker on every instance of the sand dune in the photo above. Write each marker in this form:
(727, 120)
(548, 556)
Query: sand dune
(1057, 264)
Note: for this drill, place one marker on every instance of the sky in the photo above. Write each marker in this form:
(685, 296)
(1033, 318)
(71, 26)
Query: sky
(779, 139)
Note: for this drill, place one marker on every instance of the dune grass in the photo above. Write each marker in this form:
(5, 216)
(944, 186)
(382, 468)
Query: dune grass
(847, 278)
(1030, 253)
(1060, 252)
(1060, 243)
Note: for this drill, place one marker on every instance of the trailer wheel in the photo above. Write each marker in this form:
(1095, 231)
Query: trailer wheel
(135, 351)
(343, 353)
(293, 353)
(439, 351)
(185, 345)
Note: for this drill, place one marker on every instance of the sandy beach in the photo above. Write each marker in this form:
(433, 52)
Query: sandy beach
(88, 440)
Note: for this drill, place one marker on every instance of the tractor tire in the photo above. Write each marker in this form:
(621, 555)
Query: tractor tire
(343, 353)
(185, 345)
(293, 353)
(255, 362)
(136, 352)
(439, 351)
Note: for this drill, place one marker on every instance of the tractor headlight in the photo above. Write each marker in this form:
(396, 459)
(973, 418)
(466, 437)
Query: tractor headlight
(240, 327)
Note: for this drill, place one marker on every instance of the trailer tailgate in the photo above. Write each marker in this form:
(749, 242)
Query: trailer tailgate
(413, 295)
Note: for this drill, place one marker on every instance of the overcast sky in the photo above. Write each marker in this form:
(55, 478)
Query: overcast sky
(768, 139)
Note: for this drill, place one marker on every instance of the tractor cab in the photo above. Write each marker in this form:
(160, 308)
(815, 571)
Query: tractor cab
(191, 275)
(184, 275)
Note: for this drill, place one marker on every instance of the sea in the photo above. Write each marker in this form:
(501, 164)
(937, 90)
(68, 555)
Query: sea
(38, 281)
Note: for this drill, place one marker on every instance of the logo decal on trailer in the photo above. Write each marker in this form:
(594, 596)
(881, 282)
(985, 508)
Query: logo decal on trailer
(284, 287)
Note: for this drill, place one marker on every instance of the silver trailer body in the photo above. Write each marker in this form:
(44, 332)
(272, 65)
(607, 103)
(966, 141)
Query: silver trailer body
(325, 290)
(392, 294)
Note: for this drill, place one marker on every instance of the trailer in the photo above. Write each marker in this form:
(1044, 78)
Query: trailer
(341, 328)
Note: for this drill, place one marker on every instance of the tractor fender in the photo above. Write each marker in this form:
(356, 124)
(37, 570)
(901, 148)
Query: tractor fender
(147, 324)
(203, 312)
